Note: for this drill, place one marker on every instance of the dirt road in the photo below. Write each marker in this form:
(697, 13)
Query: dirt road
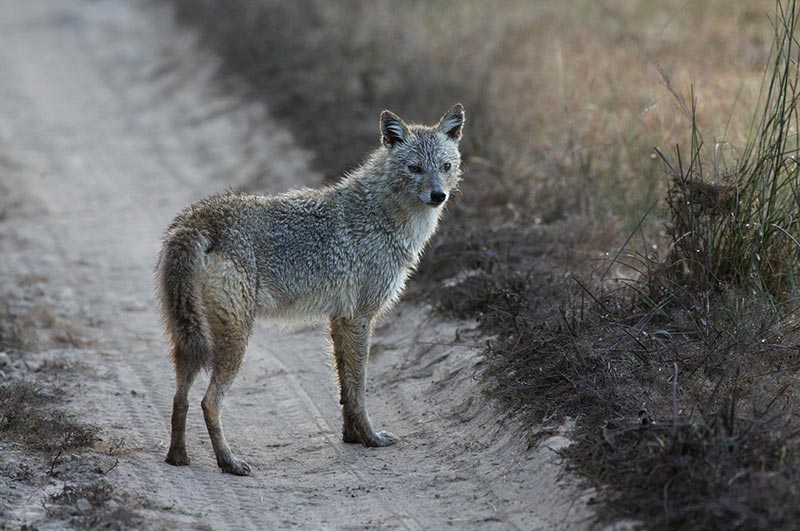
(111, 121)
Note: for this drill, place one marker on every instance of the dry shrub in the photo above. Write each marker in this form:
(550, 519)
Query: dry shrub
(97, 493)
(686, 410)
(108, 509)
(27, 417)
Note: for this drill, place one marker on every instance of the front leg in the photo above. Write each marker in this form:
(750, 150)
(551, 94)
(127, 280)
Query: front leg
(351, 350)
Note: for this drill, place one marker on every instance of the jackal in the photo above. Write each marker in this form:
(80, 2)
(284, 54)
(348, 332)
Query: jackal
(342, 253)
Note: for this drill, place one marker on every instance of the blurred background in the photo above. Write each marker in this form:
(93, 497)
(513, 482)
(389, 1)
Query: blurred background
(565, 100)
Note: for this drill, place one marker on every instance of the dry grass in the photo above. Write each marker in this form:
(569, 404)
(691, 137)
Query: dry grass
(686, 410)
(27, 417)
(47, 443)
(107, 510)
(32, 321)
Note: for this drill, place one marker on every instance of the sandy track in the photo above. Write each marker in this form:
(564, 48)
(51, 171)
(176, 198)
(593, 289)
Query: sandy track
(111, 123)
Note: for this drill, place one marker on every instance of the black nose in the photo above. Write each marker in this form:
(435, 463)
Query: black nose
(438, 197)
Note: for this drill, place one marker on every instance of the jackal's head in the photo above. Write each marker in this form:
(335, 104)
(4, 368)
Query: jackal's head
(424, 161)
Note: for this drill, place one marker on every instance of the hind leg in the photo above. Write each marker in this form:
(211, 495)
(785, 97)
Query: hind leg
(230, 307)
(212, 408)
(185, 376)
(230, 343)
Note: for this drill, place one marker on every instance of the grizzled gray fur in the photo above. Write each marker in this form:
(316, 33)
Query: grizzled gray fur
(342, 253)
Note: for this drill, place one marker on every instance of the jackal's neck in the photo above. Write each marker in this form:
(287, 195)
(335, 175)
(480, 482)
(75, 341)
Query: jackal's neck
(391, 209)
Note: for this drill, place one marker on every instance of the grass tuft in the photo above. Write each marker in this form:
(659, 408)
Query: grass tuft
(26, 418)
(736, 223)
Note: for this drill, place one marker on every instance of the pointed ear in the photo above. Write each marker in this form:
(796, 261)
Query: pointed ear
(452, 122)
(393, 129)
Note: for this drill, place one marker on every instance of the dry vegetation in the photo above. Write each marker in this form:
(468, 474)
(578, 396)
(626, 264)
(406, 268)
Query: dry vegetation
(26, 418)
(47, 452)
(42, 445)
(680, 365)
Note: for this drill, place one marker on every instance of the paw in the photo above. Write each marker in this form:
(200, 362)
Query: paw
(178, 457)
(368, 437)
(234, 466)
(380, 439)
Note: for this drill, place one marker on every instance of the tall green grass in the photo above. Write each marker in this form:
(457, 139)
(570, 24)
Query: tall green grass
(737, 223)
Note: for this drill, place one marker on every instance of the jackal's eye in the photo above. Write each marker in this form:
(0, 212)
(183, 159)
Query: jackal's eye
(413, 168)
(446, 166)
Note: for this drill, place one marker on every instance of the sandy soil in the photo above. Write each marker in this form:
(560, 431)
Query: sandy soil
(111, 121)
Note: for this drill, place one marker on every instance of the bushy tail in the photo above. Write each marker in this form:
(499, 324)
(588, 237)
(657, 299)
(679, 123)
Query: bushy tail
(179, 292)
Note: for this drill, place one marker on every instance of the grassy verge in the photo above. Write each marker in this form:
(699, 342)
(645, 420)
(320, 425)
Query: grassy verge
(681, 370)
